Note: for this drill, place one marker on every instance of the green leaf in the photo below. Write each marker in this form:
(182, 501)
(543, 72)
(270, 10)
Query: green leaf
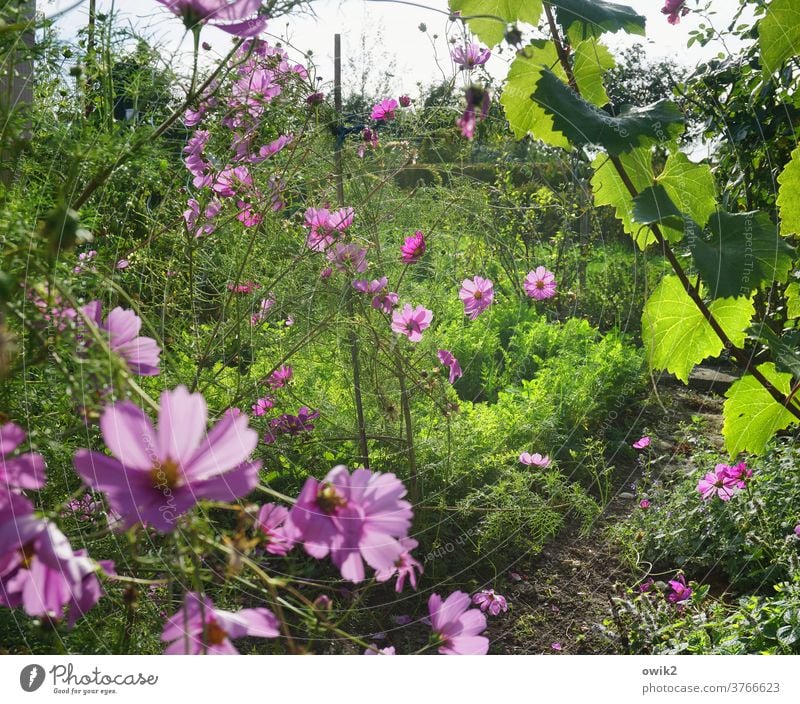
(608, 189)
(677, 337)
(584, 19)
(584, 123)
(779, 33)
(690, 186)
(653, 205)
(591, 61)
(784, 350)
(751, 415)
(793, 300)
(744, 252)
(789, 195)
(491, 30)
(523, 114)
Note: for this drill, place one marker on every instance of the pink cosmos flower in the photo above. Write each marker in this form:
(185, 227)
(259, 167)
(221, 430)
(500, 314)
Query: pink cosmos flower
(490, 601)
(291, 425)
(23, 471)
(385, 301)
(122, 326)
(369, 138)
(413, 248)
(674, 9)
(323, 222)
(411, 321)
(315, 98)
(240, 18)
(280, 377)
(374, 650)
(644, 503)
(232, 181)
(797, 530)
(448, 360)
(540, 284)
(740, 473)
(270, 521)
(154, 477)
(348, 258)
(261, 406)
(404, 567)
(405, 101)
(477, 295)
(271, 149)
(384, 110)
(370, 287)
(719, 483)
(83, 509)
(354, 518)
(84, 262)
(243, 288)
(39, 570)
(535, 459)
(642, 442)
(647, 585)
(196, 165)
(263, 311)
(247, 214)
(456, 626)
(192, 216)
(470, 56)
(254, 90)
(557, 646)
(478, 101)
(679, 592)
(200, 628)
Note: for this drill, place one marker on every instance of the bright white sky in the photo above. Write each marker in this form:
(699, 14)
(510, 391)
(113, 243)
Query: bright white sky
(414, 53)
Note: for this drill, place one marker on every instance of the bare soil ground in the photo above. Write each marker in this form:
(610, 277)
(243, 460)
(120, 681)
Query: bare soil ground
(561, 601)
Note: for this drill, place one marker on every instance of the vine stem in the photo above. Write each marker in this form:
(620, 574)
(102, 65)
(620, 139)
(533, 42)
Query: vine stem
(738, 353)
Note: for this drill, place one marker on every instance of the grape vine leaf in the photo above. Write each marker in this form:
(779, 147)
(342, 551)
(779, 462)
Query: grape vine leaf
(485, 26)
(609, 189)
(585, 19)
(779, 33)
(690, 186)
(751, 415)
(677, 337)
(788, 200)
(591, 61)
(784, 349)
(793, 300)
(653, 205)
(584, 123)
(523, 114)
(743, 252)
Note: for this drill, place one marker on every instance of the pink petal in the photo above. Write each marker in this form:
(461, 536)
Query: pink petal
(129, 435)
(181, 424)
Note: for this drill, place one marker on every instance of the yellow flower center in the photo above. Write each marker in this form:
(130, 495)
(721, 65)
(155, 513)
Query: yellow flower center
(165, 474)
(215, 634)
(478, 295)
(27, 553)
(328, 499)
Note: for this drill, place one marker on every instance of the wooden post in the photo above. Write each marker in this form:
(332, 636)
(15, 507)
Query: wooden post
(16, 82)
